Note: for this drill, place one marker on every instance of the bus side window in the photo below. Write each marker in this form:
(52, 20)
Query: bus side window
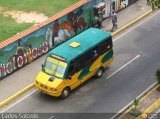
(103, 47)
(71, 69)
(79, 63)
(109, 43)
(92, 55)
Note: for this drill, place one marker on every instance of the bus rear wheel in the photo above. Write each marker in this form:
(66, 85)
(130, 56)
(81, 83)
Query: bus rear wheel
(99, 73)
(65, 93)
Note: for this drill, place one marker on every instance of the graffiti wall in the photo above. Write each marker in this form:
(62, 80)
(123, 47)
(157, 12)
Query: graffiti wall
(29, 48)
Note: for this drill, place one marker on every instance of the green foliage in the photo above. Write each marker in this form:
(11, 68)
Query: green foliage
(136, 102)
(153, 4)
(8, 27)
(48, 7)
(135, 112)
(158, 75)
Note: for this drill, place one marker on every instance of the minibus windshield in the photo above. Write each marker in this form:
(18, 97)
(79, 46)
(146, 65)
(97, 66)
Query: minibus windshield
(55, 67)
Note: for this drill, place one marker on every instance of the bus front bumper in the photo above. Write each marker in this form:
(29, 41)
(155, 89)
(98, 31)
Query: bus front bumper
(46, 91)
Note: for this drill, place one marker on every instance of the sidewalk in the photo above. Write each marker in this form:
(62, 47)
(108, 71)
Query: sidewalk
(147, 106)
(127, 15)
(25, 76)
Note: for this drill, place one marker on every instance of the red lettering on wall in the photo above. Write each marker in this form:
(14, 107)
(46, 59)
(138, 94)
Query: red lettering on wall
(14, 63)
(20, 61)
(40, 51)
(4, 67)
(34, 53)
(25, 58)
(0, 69)
(46, 47)
(9, 67)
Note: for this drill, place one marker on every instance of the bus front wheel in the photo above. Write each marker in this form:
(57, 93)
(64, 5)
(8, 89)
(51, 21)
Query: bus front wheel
(65, 93)
(99, 73)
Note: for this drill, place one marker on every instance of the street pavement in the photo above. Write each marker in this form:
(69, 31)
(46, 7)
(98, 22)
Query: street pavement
(128, 14)
(132, 72)
(107, 94)
(22, 78)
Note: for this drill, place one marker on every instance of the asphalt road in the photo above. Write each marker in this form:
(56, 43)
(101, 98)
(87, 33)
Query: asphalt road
(137, 55)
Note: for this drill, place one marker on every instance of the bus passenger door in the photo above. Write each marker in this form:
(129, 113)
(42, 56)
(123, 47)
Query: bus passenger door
(90, 64)
(72, 77)
(80, 68)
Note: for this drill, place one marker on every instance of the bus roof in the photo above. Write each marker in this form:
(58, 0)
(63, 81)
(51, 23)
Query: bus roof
(86, 39)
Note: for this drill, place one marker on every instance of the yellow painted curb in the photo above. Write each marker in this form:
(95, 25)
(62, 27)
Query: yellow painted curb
(32, 85)
(150, 92)
(128, 110)
(3, 103)
(149, 110)
(131, 23)
(156, 104)
(120, 30)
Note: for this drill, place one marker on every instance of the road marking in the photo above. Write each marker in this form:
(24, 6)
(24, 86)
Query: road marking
(145, 91)
(136, 26)
(117, 71)
(108, 76)
(123, 66)
(36, 90)
(155, 115)
(18, 101)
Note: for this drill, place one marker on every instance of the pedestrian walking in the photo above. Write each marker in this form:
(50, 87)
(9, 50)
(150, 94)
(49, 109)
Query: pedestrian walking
(114, 20)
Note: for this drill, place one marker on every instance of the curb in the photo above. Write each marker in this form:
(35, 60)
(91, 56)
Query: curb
(150, 108)
(154, 88)
(129, 106)
(5, 102)
(154, 106)
(131, 23)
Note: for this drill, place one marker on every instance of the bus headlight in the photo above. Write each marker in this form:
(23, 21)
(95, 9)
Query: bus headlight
(53, 89)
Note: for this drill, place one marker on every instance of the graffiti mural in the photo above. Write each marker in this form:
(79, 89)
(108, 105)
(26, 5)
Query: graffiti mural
(20, 53)
(95, 2)
(29, 48)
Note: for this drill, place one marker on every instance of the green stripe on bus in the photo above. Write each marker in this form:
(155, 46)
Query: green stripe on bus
(107, 56)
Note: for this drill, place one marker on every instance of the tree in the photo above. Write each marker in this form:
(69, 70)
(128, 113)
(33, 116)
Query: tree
(158, 75)
(136, 102)
(134, 111)
(153, 3)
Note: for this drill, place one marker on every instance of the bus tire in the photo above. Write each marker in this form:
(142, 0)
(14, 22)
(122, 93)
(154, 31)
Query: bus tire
(99, 72)
(65, 93)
